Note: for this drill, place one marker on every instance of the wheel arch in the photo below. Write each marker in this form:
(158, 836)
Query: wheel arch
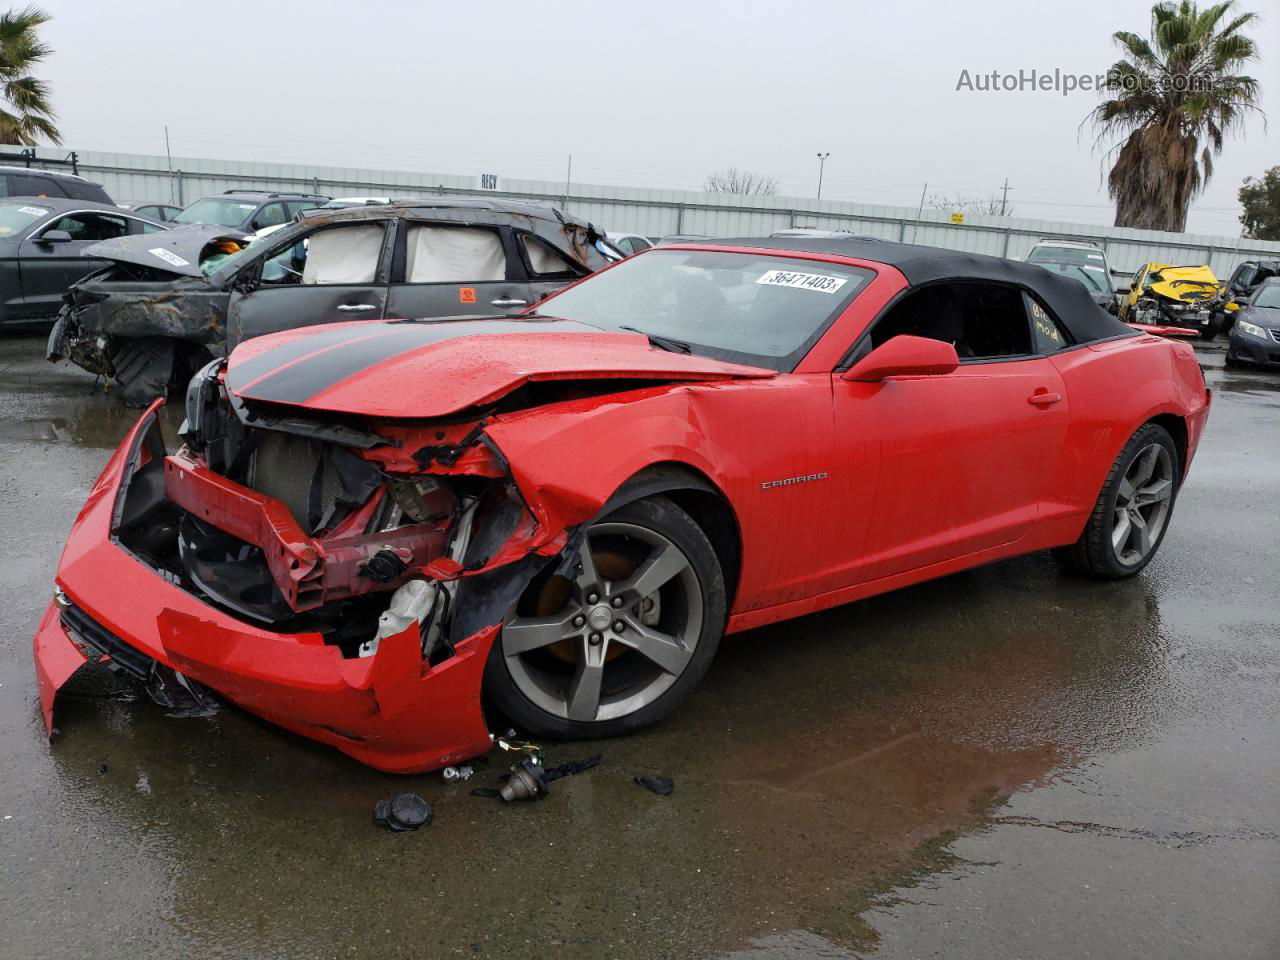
(1177, 427)
(697, 495)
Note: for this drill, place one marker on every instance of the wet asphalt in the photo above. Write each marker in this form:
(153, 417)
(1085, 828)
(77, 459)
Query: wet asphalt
(1006, 763)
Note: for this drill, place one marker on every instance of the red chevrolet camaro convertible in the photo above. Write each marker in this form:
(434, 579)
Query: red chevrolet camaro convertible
(373, 532)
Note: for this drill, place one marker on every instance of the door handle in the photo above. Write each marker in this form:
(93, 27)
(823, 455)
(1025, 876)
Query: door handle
(509, 302)
(356, 307)
(1043, 398)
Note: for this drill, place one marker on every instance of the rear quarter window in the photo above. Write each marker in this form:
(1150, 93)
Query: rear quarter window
(1047, 334)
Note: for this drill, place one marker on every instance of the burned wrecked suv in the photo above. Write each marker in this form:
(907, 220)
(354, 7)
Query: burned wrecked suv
(166, 306)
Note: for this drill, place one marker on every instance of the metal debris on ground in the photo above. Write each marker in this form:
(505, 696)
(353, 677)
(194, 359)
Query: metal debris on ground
(662, 786)
(455, 774)
(527, 782)
(408, 811)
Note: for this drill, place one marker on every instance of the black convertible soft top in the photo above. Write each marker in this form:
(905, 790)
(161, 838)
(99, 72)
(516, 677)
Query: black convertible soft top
(1068, 299)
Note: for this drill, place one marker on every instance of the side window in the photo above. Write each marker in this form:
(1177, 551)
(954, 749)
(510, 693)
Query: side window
(271, 215)
(1244, 277)
(1046, 333)
(91, 226)
(295, 207)
(345, 254)
(640, 243)
(983, 321)
(445, 254)
(150, 227)
(546, 261)
(26, 185)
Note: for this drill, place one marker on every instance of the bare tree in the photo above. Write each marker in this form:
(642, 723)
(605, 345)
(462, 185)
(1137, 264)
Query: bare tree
(742, 182)
(992, 205)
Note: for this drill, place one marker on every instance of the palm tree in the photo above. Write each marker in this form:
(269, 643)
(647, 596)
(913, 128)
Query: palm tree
(1175, 98)
(25, 113)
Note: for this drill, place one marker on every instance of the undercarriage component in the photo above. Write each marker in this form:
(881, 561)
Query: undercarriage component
(527, 782)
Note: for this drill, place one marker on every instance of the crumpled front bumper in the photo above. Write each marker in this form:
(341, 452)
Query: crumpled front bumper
(391, 711)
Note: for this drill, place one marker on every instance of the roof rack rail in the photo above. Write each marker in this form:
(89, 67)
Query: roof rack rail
(28, 156)
(1092, 241)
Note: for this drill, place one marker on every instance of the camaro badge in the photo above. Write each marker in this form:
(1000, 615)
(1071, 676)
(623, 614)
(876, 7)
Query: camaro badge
(807, 478)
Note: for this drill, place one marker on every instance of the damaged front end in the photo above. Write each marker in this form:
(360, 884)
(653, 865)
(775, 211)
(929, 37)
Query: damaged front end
(145, 322)
(1184, 298)
(342, 579)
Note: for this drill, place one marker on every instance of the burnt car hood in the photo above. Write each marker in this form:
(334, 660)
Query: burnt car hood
(177, 251)
(436, 368)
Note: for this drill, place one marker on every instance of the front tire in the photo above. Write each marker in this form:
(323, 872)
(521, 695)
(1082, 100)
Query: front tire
(624, 642)
(1133, 509)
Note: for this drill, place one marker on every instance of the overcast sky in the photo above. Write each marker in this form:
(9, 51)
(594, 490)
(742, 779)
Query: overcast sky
(652, 93)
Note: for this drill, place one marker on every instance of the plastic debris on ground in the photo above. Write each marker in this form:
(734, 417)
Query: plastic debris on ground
(662, 786)
(406, 812)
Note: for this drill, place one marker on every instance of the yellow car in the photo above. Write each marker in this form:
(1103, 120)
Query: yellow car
(1167, 295)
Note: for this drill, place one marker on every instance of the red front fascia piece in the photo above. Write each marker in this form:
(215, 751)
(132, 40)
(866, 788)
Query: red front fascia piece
(391, 710)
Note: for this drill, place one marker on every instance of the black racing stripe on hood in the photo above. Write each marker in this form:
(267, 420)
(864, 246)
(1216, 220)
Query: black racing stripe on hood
(370, 345)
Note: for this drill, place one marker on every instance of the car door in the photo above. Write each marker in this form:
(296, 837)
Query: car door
(964, 459)
(273, 214)
(452, 269)
(547, 267)
(331, 274)
(1135, 291)
(49, 267)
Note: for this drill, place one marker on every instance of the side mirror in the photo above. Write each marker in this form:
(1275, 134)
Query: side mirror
(54, 236)
(905, 356)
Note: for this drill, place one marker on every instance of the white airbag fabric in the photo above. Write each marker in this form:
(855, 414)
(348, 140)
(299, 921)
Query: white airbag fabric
(344, 254)
(454, 255)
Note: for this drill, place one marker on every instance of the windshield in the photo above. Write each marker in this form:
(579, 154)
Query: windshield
(1067, 255)
(1268, 296)
(16, 217)
(1095, 278)
(216, 210)
(749, 308)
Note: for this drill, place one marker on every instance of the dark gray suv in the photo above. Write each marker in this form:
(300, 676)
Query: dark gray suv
(168, 304)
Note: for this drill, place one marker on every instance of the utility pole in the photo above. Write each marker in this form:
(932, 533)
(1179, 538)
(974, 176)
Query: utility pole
(822, 162)
(168, 153)
(915, 227)
(1004, 196)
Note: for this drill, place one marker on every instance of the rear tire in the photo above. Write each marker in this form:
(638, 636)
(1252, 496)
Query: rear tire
(646, 608)
(1133, 509)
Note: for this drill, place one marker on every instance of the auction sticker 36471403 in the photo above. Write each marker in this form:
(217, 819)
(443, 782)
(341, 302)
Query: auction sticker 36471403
(817, 282)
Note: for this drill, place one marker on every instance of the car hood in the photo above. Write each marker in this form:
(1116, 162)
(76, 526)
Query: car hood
(1185, 283)
(439, 367)
(1263, 316)
(178, 251)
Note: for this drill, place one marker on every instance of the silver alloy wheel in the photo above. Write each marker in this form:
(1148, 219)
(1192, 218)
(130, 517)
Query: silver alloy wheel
(622, 659)
(1142, 505)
